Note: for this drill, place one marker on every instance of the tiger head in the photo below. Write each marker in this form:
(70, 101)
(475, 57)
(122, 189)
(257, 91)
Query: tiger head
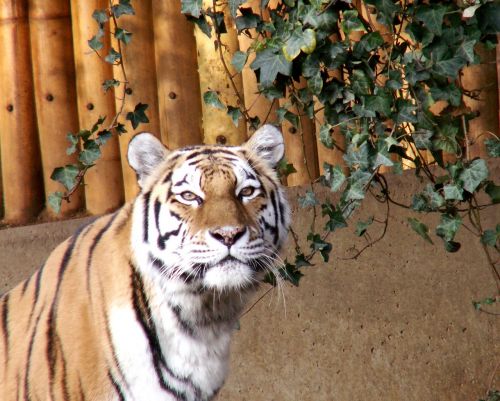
(214, 217)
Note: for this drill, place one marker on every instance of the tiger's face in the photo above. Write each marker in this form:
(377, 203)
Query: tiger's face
(214, 217)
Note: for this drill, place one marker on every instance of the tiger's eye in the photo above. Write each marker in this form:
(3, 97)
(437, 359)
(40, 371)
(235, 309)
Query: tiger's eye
(189, 196)
(247, 191)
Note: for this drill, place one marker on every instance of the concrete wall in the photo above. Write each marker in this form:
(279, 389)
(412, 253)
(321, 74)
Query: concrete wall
(392, 325)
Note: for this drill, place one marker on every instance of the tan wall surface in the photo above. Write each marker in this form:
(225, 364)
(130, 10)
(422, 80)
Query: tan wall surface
(392, 325)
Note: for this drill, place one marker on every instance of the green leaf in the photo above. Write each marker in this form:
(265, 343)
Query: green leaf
(493, 147)
(351, 22)
(233, 6)
(112, 57)
(491, 237)
(66, 175)
(315, 84)
(367, 43)
(120, 128)
(192, 7)
(466, 50)
(450, 68)
(336, 217)
(422, 139)
(308, 200)
(380, 103)
(103, 137)
(301, 261)
(247, 20)
(473, 175)
(73, 140)
(55, 201)
(362, 226)
(95, 44)
(202, 23)
(211, 98)
(122, 8)
(334, 176)
(90, 153)
(299, 40)
(291, 273)
(285, 169)
(271, 62)
(123, 35)
(453, 192)
(235, 114)
(325, 136)
(138, 116)
(100, 16)
(318, 244)
(420, 228)
(451, 246)
(110, 83)
(448, 227)
(432, 17)
(239, 59)
(357, 185)
(493, 191)
(446, 139)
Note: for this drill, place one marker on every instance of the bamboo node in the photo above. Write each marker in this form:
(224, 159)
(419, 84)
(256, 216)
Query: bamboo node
(10, 108)
(129, 91)
(90, 106)
(172, 95)
(49, 97)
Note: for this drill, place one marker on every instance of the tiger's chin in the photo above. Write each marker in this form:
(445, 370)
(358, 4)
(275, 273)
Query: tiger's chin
(231, 274)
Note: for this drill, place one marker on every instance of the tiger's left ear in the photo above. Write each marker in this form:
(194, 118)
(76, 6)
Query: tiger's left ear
(267, 143)
(145, 153)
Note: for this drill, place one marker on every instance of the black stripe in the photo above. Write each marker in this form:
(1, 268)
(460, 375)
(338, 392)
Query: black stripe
(25, 285)
(37, 284)
(143, 315)
(184, 325)
(276, 211)
(28, 361)
(147, 197)
(116, 386)
(168, 177)
(162, 238)
(92, 247)
(5, 325)
(183, 181)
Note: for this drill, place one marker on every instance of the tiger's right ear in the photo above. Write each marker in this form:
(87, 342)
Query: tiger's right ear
(145, 153)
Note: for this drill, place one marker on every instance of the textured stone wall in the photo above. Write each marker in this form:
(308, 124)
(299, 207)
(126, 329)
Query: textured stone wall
(391, 325)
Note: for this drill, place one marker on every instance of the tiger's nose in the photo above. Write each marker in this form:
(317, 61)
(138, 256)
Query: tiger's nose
(228, 235)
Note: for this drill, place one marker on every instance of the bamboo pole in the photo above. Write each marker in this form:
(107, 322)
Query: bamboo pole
(22, 182)
(482, 77)
(177, 76)
(256, 104)
(55, 92)
(103, 182)
(301, 148)
(139, 60)
(217, 125)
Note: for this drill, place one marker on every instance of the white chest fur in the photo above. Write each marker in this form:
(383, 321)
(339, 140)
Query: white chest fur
(167, 356)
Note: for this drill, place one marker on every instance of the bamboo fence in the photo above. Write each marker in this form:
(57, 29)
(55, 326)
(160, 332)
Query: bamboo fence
(50, 83)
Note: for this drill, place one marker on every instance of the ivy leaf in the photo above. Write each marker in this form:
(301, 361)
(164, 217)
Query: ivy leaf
(112, 57)
(120, 128)
(308, 200)
(334, 176)
(90, 153)
(54, 201)
(318, 244)
(238, 61)
(138, 116)
(301, 261)
(100, 16)
(422, 138)
(336, 217)
(291, 273)
(453, 192)
(110, 83)
(431, 17)
(493, 147)
(192, 7)
(122, 8)
(493, 191)
(247, 20)
(95, 44)
(123, 35)
(491, 237)
(420, 228)
(73, 140)
(285, 169)
(362, 226)
(235, 114)
(270, 62)
(299, 40)
(448, 227)
(233, 6)
(351, 22)
(325, 136)
(211, 98)
(66, 175)
(473, 175)
(367, 43)
(315, 84)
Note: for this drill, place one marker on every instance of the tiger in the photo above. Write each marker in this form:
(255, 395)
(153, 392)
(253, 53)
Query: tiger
(141, 304)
